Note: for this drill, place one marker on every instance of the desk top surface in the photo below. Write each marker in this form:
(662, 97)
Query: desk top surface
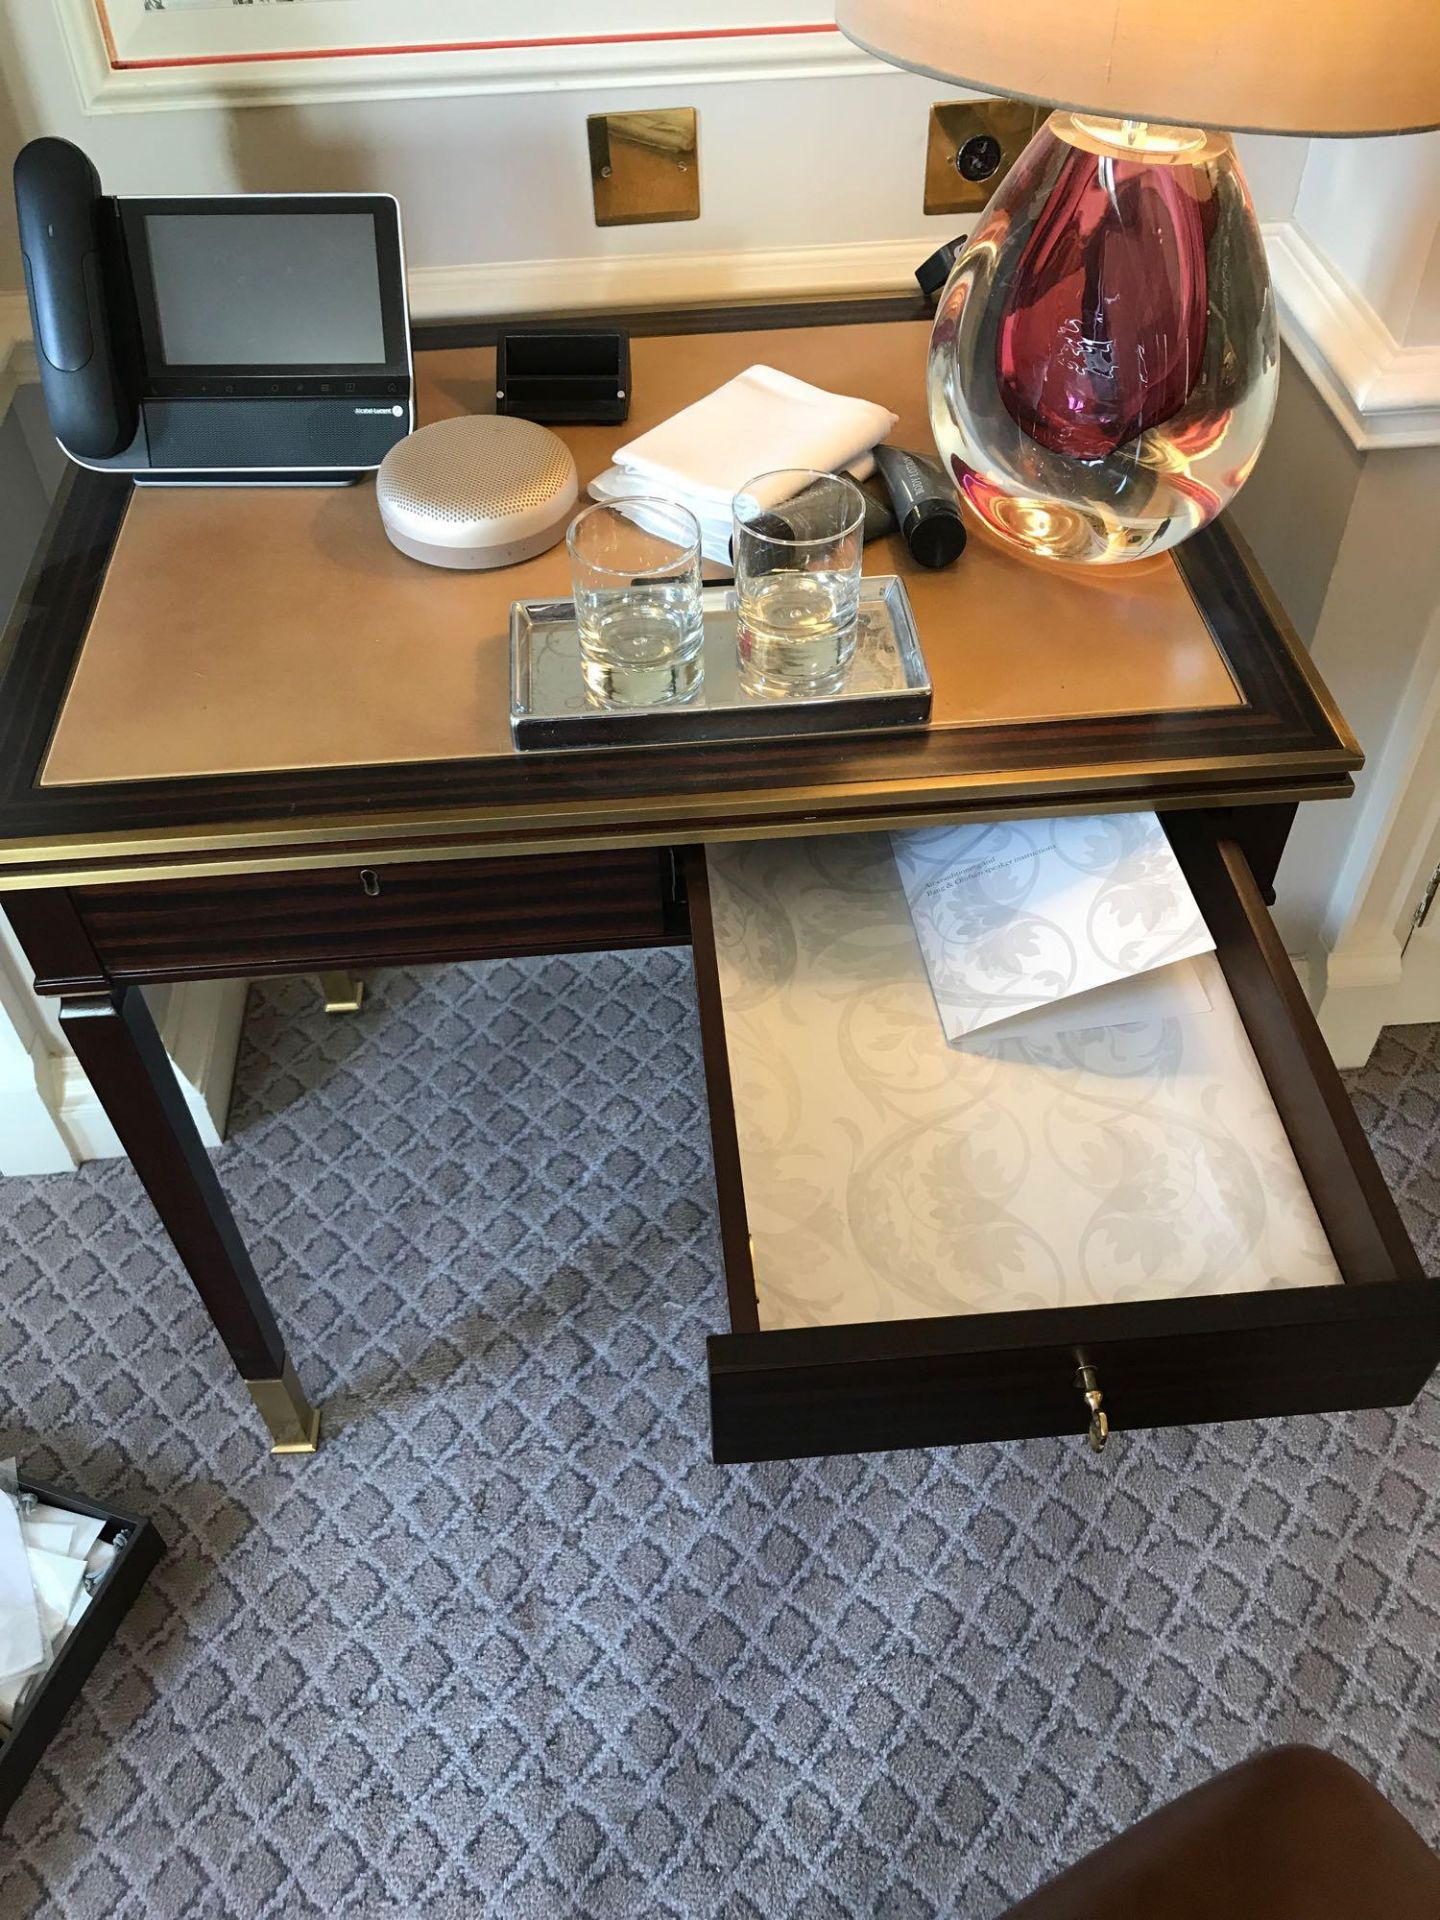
(209, 673)
(247, 632)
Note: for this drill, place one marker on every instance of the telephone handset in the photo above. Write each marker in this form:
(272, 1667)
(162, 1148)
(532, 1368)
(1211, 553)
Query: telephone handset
(233, 339)
(69, 241)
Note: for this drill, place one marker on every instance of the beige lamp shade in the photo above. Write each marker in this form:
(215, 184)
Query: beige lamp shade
(1254, 66)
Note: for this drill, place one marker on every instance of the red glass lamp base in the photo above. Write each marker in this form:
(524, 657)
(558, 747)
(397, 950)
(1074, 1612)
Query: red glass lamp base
(1104, 361)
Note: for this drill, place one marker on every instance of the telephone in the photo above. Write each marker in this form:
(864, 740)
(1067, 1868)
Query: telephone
(229, 339)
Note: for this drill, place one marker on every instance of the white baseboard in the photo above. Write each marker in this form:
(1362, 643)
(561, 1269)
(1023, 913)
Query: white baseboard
(1363, 987)
(1359, 989)
(200, 1027)
(1419, 997)
(80, 1116)
(199, 1024)
(1383, 394)
(32, 1141)
(663, 279)
(1305, 973)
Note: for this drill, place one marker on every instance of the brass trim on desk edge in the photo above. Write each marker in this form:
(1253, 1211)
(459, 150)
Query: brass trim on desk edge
(1284, 630)
(1224, 713)
(631, 815)
(181, 857)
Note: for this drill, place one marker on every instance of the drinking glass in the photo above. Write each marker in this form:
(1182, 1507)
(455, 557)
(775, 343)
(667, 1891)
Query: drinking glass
(635, 566)
(797, 549)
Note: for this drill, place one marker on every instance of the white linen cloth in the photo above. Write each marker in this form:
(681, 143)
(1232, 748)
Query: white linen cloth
(45, 1554)
(760, 421)
(22, 1641)
(42, 1527)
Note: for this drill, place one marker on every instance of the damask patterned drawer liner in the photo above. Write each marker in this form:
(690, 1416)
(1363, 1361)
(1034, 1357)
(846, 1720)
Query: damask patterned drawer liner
(890, 1176)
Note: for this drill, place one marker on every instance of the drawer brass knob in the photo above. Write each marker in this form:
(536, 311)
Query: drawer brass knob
(1088, 1382)
(370, 881)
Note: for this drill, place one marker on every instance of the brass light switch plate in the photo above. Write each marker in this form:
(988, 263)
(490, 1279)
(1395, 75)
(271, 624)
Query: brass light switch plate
(644, 167)
(972, 146)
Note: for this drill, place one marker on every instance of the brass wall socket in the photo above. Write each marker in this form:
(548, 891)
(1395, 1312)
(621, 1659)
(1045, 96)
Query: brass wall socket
(644, 167)
(971, 147)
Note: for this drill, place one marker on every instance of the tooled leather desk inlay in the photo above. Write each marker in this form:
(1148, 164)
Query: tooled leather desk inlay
(890, 1176)
(245, 631)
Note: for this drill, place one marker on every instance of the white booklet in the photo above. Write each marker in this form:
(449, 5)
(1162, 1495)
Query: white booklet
(1029, 913)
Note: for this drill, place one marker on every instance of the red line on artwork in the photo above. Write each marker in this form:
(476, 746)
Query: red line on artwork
(460, 46)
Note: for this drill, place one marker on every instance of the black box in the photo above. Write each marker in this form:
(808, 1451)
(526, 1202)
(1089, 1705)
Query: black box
(580, 378)
(46, 1707)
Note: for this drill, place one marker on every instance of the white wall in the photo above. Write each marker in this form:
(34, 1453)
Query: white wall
(816, 162)
(1370, 641)
(1343, 511)
(1373, 207)
(49, 1116)
(1295, 507)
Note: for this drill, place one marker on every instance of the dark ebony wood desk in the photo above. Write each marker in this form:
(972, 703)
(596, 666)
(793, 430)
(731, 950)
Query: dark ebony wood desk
(239, 735)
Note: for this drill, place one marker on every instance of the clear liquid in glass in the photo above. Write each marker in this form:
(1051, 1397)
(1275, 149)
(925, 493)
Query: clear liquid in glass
(641, 644)
(797, 631)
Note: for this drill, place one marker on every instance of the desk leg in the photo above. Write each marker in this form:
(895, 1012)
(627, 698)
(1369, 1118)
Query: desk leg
(116, 1043)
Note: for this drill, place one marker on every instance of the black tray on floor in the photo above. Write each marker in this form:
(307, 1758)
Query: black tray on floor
(20, 1751)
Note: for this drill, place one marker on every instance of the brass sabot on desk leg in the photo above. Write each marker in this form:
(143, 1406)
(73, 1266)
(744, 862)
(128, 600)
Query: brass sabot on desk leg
(294, 1424)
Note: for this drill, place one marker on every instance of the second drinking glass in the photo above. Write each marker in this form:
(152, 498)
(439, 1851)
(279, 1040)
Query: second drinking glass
(798, 544)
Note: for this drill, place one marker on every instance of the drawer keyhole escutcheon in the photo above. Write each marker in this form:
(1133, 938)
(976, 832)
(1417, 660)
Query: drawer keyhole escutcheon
(1088, 1382)
(370, 881)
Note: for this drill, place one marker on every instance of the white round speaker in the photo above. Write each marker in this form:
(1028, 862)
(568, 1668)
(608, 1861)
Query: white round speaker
(479, 491)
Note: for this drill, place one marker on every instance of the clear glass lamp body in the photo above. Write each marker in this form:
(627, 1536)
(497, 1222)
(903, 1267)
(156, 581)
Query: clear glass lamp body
(1104, 362)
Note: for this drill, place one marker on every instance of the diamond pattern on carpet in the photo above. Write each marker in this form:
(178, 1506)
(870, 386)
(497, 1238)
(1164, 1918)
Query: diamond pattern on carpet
(510, 1645)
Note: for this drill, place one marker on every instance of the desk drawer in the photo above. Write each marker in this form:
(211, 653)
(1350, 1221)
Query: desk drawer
(372, 916)
(924, 1247)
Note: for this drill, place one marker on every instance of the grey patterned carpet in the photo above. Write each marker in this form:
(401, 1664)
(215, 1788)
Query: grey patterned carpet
(511, 1646)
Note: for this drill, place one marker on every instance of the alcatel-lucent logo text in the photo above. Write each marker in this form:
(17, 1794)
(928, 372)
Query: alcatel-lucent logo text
(397, 413)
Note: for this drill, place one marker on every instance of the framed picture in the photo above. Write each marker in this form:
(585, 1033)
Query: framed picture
(237, 52)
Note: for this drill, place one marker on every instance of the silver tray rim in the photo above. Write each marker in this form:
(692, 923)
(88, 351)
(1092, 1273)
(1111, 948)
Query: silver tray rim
(887, 589)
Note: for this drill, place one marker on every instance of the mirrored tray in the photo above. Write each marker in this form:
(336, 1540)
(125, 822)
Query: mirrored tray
(887, 685)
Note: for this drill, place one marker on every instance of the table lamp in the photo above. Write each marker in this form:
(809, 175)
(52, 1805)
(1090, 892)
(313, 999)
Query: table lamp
(1105, 356)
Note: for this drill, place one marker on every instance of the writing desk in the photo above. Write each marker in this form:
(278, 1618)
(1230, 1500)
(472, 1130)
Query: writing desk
(240, 734)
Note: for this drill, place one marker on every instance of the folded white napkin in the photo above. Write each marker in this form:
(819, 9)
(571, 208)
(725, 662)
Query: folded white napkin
(760, 421)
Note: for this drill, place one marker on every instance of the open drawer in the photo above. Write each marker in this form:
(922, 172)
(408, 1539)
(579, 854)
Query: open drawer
(926, 1245)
